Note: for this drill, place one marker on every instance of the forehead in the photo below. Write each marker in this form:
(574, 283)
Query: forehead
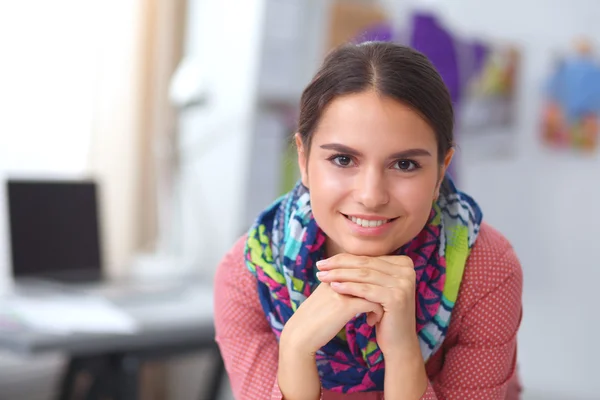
(369, 120)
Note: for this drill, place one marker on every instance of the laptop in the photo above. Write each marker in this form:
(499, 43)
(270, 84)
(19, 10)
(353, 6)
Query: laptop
(54, 230)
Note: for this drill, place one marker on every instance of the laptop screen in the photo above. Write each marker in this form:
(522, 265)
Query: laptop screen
(54, 229)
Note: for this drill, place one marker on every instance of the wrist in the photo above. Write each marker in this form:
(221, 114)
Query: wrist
(297, 374)
(292, 344)
(405, 374)
(408, 349)
(405, 380)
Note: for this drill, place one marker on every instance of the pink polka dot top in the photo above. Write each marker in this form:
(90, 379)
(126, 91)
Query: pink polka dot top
(476, 361)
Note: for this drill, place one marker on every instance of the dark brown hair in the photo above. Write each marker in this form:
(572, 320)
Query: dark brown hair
(392, 70)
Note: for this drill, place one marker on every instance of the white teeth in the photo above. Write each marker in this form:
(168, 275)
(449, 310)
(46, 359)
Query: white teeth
(368, 223)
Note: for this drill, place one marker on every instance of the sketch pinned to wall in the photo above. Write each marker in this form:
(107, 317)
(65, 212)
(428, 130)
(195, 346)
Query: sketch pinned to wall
(571, 110)
(491, 93)
(488, 115)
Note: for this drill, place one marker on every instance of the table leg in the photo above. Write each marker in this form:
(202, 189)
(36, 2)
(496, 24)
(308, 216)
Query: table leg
(128, 375)
(96, 367)
(103, 384)
(67, 383)
(215, 383)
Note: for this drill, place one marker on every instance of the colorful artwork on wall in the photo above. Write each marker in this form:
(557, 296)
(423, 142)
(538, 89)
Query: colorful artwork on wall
(490, 100)
(571, 109)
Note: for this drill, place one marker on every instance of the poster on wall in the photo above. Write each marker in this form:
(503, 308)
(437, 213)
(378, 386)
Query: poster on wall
(571, 106)
(488, 114)
(491, 92)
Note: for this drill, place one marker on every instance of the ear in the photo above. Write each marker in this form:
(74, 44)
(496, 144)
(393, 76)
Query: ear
(443, 169)
(302, 159)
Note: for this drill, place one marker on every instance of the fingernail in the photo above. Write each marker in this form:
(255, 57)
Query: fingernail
(320, 263)
(335, 284)
(321, 274)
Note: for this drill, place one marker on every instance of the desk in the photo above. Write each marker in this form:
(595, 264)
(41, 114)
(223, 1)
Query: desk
(169, 325)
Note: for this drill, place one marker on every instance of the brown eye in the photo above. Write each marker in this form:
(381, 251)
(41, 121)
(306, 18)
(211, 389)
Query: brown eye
(406, 165)
(342, 161)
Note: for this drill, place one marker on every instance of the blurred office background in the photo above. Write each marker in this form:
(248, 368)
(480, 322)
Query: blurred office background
(182, 111)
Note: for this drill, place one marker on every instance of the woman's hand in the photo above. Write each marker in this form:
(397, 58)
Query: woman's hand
(388, 281)
(318, 319)
(322, 316)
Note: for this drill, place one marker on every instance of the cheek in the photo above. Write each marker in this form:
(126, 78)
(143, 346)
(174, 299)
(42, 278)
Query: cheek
(328, 190)
(326, 180)
(415, 195)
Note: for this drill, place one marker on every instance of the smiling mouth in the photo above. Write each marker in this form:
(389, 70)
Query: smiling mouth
(368, 223)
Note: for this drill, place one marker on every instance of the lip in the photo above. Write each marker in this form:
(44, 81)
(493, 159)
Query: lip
(369, 231)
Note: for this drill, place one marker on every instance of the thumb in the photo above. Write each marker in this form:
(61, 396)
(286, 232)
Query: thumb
(373, 318)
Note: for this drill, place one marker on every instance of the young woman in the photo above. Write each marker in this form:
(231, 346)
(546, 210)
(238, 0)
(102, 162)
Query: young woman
(374, 277)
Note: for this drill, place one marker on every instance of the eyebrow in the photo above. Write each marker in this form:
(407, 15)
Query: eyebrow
(340, 148)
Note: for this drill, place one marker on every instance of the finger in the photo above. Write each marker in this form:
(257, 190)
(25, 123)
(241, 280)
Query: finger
(374, 311)
(363, 275)
(373, 318)
(375, 315)
(403, 269)
(402, 261)
(367, 291)
(352, 261)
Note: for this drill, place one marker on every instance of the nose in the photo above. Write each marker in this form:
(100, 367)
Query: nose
(371, 188)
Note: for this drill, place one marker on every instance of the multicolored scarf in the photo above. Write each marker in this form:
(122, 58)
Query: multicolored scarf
(285, 243)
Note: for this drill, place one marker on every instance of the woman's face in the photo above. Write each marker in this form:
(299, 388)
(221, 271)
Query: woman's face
(372, 172)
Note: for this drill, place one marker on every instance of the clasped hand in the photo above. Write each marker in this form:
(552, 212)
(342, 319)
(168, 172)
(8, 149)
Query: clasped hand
(388, 281)
(382, 287)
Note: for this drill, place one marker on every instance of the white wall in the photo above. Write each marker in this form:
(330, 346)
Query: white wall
(114, 156)
(547, 204)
